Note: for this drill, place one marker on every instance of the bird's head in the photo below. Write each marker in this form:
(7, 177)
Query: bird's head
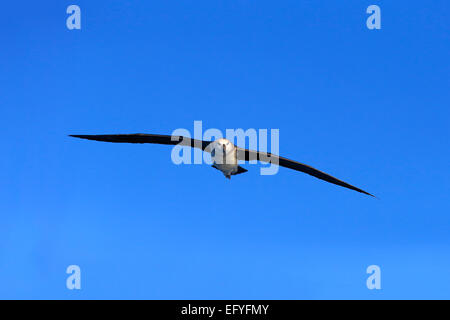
(225, 145)
(221, 148)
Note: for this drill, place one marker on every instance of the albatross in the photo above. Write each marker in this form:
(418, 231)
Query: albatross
(224, 154)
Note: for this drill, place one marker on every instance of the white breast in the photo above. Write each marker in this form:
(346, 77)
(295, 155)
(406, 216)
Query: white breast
(223, 155)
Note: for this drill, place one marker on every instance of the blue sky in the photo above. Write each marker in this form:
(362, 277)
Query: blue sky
(368, 106)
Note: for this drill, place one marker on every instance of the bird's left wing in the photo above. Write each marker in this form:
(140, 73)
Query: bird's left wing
(147, 138)
(248, 155)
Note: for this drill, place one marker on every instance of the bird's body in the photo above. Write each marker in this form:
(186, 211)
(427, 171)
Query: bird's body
(224, 154)
(224, 157)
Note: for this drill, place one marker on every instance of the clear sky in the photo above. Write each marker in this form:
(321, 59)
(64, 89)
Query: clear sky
(368, 106)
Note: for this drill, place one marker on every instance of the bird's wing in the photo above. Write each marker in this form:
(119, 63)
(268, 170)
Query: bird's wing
(247, 155)
(147, 138)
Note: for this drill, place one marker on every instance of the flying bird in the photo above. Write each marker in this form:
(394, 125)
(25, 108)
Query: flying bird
(224, 154)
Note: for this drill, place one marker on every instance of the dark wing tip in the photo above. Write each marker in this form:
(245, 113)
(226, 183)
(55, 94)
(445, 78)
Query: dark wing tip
(82, 136)
(102, 137)
(369, 194)
(351, 187)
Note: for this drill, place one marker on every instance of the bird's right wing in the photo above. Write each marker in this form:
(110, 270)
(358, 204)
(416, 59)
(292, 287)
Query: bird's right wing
(148, 138)
(248, 155)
